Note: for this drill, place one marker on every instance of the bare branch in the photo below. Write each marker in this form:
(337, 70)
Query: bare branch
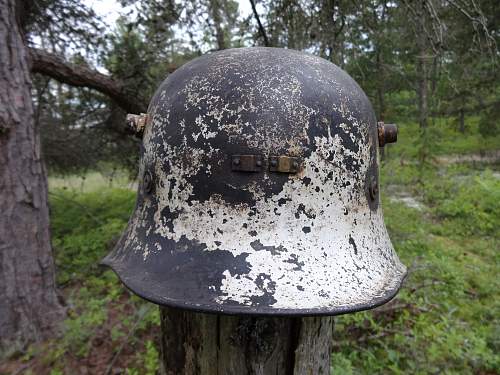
(261, 27)
(475, 21)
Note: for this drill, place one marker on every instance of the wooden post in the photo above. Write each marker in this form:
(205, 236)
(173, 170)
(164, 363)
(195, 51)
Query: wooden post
(208, 344)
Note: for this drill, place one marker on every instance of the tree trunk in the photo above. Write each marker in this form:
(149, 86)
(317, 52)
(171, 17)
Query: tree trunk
(206, 344)
(422, 75)
(422, 89)
(380, 94)
(215, 9)
(29, 306)
(329, 45)
(462, 121)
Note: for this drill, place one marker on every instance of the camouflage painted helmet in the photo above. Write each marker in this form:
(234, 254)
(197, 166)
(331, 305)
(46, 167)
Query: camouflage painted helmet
(259, 191)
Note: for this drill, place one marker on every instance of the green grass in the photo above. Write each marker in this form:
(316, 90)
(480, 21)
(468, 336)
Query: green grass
(103, 317)
(84, 225)
(442, 138)
(92, 181)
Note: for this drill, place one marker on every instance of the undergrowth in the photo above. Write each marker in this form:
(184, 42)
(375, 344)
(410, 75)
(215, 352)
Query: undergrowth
(107, 327)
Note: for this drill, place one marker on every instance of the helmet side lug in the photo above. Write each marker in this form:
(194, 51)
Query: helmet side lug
(387, 133)
(137, 123)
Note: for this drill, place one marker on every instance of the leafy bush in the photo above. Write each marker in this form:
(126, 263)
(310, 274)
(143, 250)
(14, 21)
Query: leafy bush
(446, 318)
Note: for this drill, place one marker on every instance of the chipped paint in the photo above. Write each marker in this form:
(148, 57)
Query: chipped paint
(212, 239)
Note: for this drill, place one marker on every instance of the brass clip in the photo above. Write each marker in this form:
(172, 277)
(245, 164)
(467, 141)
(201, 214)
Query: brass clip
(284, 164)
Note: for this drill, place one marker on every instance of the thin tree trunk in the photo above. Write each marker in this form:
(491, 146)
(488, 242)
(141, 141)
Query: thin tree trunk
(29, 306)
(422, 75)
(328, 25)
(462, 121)
(422, 90)
(217, 19)
(207, 344)
(380, 94)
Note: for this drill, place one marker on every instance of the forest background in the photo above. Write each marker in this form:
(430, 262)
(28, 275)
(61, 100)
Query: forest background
(431, 66)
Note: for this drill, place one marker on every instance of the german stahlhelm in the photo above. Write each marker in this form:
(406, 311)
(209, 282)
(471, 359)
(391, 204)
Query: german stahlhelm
(259, 191)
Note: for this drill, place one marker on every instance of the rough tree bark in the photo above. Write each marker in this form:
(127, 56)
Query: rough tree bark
(29, 305)
(207, 344)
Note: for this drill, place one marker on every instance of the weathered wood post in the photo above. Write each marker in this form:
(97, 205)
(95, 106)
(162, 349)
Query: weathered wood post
(258, 214)
(200, 343)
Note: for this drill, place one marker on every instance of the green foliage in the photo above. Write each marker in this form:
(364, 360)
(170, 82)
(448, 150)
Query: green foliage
(438, 329)
(341, 365)
(80, 327)
(469, 206)
(489, 125)
(441, 138)
(84, 226)
(151, 364)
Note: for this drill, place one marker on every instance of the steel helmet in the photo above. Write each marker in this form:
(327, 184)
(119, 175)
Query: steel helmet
(258, 191)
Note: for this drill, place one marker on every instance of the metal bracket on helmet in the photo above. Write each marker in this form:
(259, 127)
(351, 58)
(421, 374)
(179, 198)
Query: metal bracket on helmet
(284, 164)
(254, 163)
(246, 163)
